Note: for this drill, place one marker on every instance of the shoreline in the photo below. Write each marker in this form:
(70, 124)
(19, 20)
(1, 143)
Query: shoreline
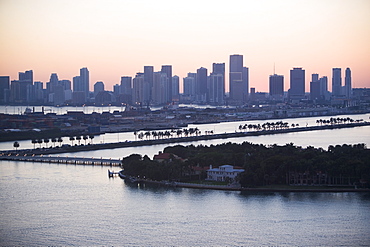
(260, 189)
(72, 149)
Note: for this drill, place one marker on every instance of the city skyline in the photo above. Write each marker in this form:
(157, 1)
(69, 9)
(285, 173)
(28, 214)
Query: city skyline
(117, 38)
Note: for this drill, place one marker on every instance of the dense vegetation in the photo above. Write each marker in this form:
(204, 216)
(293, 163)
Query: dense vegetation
(264, 165)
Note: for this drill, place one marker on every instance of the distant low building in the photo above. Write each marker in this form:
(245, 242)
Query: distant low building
(223, 173)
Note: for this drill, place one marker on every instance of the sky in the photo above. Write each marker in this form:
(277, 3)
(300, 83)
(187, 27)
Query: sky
(115, 38)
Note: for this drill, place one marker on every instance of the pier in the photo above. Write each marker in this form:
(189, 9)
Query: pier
(63, 160)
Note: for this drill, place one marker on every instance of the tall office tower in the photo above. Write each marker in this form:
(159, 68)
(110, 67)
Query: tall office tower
(66, 84)
(175, 87)
(219, 68)
(137, 90)
(314, 77)
(238, 82)
(116, 90)
(77, 87)
(4, 87)
(246, 83)
(160, 86)
(297, 84)
(85, 81)
(323, 85)
(167, 69)
(98, 87)
(336, 84)
(39, 91)
(21, 88)
(148, 81)
(53, 82)
(276, 86)
(126, 85)
(315, 88)
(201, 80)
(126, 90)
(348, 83)
(26, 76)
(189, 86)
(216, 89)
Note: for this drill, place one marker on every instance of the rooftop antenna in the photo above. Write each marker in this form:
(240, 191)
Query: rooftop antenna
(274, 68)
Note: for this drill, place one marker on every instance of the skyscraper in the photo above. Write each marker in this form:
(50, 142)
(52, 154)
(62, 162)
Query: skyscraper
(348, 83)
(98, 87)
(175, 87)
(219, 69)
(190, 86)
(137, 89)
(201, 81)
(4, 88)
(238, 79)
(85, 81)
(21, 88)
(148, 82)
(276, 86)
(126, 85)
(216, 89)
(167, 69)
(315, 88)
(337, 82)
(297, 84)
(126, 89)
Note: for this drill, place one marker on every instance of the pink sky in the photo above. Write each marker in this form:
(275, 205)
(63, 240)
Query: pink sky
(116, 38)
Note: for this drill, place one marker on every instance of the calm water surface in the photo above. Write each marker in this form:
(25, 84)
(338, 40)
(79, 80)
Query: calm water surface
(50, 204)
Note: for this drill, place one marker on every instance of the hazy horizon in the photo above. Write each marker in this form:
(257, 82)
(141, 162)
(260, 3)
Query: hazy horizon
(118, 38)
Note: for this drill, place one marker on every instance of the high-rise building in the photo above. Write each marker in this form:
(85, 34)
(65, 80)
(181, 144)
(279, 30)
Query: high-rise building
(126, 85)
(175, 87)
(21, 89)
(4, 88)
(315, 88)
(190, 86)
(238, 80)
(348, 83)
(160, 85)
(201, 85)
(26, 76)
(276, 86)
(246, 83)
(138, 89)
(297, 84)
(77, 86)
(85, 81)
(337, 82)
(98, 87)
(216, 89)
(116, 90)
(53, 82)
(148, 82)
(219, 69)
(125, 94)
(167, 69)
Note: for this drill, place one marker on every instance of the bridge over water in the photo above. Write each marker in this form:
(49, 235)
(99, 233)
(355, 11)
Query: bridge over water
(63, 160)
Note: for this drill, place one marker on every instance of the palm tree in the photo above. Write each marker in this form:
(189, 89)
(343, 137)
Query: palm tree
(85, 138)
(53, 140)
(60, 140)
(34, 141)
(39, 141)
(78, 138)
(91, 138)
(16, 145)
(71, 139)
(46, 141)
